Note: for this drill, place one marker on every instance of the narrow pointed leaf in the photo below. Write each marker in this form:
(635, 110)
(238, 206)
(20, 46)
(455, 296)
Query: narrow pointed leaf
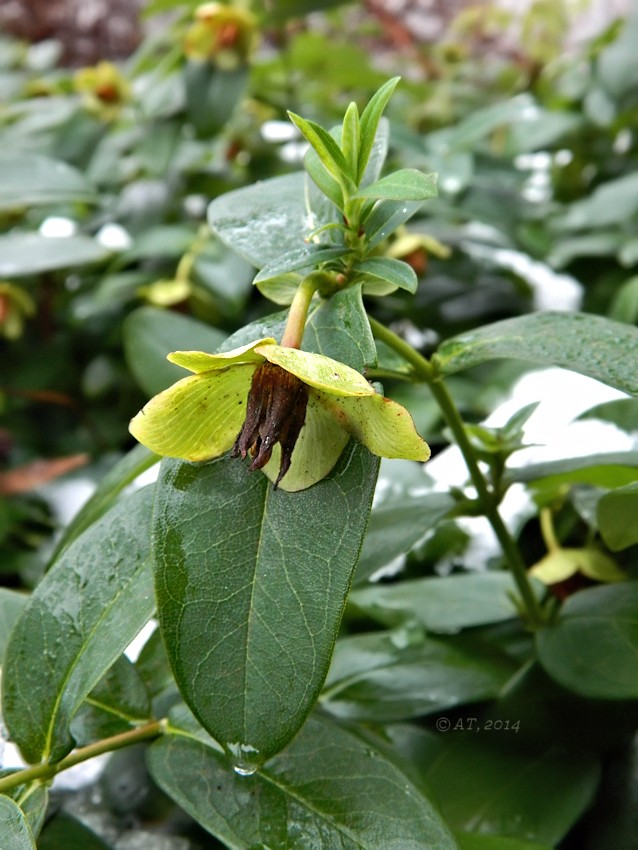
(329, 789)
(386, 217)
(588, 344)
(324, 181)
(408, 184)
(369, 122)
(394, 272)
(325, 147)
(350, 137)
(83, 614)
(15, 833)
(308, 257)
(251, 585)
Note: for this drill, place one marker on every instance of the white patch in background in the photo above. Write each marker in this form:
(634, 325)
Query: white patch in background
(562, 397)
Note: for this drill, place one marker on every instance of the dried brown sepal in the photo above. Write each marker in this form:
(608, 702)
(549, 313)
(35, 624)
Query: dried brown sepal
(275, 413)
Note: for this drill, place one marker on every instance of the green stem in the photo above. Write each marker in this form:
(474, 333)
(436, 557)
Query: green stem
(293, 332)
(424, 370)
(547, 530)
(47, 770)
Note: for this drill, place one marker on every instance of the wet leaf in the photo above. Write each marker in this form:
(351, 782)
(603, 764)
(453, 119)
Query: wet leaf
(23, 254)
(28, 180)
(81, 617)
(587, 344)
(15, 833)
(329, 790)
(251, 586)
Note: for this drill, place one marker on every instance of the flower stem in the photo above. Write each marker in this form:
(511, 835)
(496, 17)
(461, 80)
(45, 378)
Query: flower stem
(424, 370)
(48, 770)
(293, 332)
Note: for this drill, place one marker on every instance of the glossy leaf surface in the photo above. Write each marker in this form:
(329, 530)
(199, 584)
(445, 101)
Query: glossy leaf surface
(251, 585)
(81, 617)
(587, 344)
(329, 790)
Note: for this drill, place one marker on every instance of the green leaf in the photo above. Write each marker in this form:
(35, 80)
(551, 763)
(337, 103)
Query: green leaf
(613, 202)
(407, 184)
(149, 334)
(588, 344)
(118, 702)
(12, 605)
(212, 95)
(489, 786)
(23, 254)
(617, 517)
(324, 182)
(593, 648)
(622, 412)
(400, 675)
(262, 221)
(329, 789)
(338, 327)
(369, 123)
(444, 605)
(15, 833)
(251, 585)
(350, 137)
(81, 617)
(385, 218)
(393, 272)
(123, 473)
(33, 799)
(397, 525)
(326, 149)
(28, 180)
(308, 257)
(605, 470)
(63, 830)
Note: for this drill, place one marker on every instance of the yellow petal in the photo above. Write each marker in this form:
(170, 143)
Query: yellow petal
(199, 417)
(318, 448)
(382, 425)
(200, 361)
(318, 371)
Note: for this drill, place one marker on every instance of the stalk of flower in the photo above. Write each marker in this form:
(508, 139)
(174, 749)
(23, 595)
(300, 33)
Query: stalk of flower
(293, 411)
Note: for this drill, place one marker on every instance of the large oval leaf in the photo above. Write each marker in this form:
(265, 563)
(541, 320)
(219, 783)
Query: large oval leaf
(251, 584)
(81, 617)
(593, 648)
(263, 221)
(329, 790)
(591, 345)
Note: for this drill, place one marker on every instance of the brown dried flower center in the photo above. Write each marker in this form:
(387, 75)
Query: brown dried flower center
(275, 413)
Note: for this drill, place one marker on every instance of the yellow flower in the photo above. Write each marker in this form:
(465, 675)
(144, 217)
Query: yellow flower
(221, 34)
(104, 88)
(294, 411)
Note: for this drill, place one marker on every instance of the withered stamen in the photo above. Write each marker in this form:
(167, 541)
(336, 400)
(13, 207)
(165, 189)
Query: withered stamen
(275, 413)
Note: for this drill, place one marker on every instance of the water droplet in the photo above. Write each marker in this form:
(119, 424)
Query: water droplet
(242, 769)
(246, 758)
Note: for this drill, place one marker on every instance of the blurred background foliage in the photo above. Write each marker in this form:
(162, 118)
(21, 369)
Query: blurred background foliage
(122, 120)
